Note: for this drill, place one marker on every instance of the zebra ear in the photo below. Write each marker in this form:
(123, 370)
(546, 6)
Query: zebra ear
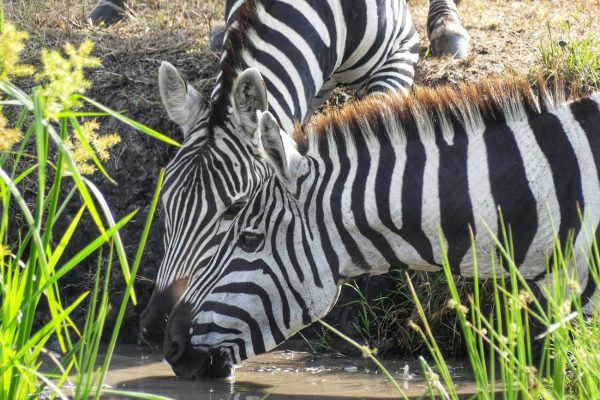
(278, 147)
(182, 102)
(249, 96)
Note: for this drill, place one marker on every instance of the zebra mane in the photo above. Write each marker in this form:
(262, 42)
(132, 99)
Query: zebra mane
(236, 42)
(426, 109)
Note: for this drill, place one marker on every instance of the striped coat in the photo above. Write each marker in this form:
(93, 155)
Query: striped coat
(303, 48)
(374, 186)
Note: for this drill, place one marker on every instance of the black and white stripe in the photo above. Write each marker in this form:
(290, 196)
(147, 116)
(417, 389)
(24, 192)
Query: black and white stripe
(303, 48)
(373, 188)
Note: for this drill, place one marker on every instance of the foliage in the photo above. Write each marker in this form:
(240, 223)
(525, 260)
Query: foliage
(64, 77)
(502, 344)
(50, 147)
(572, 53)
(11, 46)
(382, 319)
(8, 136)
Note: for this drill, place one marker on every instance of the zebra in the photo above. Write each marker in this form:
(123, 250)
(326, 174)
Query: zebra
(300, 76)
(107, 12)
(304, 49)
(445, 32)
(371, 187)
(217, 169)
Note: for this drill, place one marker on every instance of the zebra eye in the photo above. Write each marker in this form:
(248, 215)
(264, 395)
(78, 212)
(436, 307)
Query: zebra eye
(233, 210)
(249, 241)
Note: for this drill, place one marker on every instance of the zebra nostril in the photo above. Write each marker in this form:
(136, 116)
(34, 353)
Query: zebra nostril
(175, 348)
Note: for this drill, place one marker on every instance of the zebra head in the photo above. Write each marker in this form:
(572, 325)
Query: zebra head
(206, 184)
(269, 278)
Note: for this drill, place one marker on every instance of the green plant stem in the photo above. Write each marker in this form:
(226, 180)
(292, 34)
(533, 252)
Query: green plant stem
(368, 353)
(136, 263)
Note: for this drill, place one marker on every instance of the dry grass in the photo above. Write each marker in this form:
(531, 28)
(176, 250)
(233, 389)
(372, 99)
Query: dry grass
(505, 35)
(131, 50)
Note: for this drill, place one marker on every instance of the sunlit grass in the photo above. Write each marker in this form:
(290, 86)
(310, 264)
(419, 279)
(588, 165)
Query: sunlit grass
(42, 173)
(502, 343)
(382, 320)
(572, 51)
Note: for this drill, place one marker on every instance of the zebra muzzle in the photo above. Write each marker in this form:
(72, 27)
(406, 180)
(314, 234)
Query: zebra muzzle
(188, 361)
(153, 320)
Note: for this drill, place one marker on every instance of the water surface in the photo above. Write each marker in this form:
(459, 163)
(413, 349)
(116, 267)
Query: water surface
(286, 373)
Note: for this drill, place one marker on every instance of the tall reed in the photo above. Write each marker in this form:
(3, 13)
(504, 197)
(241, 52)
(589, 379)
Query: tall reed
(45, 155)
(560, 359)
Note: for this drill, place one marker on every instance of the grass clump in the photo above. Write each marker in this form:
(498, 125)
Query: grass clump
(64, 78)
(12, 43)
(529, 346)
(381, 321)
(572, 51)
(44, 156)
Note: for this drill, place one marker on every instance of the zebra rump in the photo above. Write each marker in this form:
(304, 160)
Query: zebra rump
(374, 186)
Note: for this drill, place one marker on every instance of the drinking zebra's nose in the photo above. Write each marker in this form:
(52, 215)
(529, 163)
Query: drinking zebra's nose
(153, 320)
(189, 361)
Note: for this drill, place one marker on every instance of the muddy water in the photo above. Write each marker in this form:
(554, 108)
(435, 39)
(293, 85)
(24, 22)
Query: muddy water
(280, 374)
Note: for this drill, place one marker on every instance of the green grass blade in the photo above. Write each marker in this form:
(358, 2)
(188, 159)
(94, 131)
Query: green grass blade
(140, 127)
(78, 178)
(16, 93)
(117, 237)
(65, 240)
(24, 174)
(82, 255)
(136, 263)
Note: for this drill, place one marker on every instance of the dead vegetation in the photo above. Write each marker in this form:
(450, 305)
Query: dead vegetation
(505, 35)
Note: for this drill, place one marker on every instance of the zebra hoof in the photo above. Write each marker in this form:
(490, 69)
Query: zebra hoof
(450, 39)
(107, 12)
(217, 36)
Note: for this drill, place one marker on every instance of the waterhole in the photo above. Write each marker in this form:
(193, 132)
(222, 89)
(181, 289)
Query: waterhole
(285, 373)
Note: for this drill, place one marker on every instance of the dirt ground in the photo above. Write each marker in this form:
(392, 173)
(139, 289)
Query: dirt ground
(505, 35)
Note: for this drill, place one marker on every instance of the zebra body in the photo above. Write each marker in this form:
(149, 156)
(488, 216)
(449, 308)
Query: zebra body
(303, 48)
(372, 187)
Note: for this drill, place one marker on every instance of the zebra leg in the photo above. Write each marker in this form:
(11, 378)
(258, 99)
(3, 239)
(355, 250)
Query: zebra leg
(446, 34)
(397, 73)
(108, 12)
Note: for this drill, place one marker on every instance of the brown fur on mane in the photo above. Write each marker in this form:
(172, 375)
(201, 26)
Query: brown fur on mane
(237, 40)
(488, 98)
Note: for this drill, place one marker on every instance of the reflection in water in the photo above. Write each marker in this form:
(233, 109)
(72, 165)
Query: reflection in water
(280, 374)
